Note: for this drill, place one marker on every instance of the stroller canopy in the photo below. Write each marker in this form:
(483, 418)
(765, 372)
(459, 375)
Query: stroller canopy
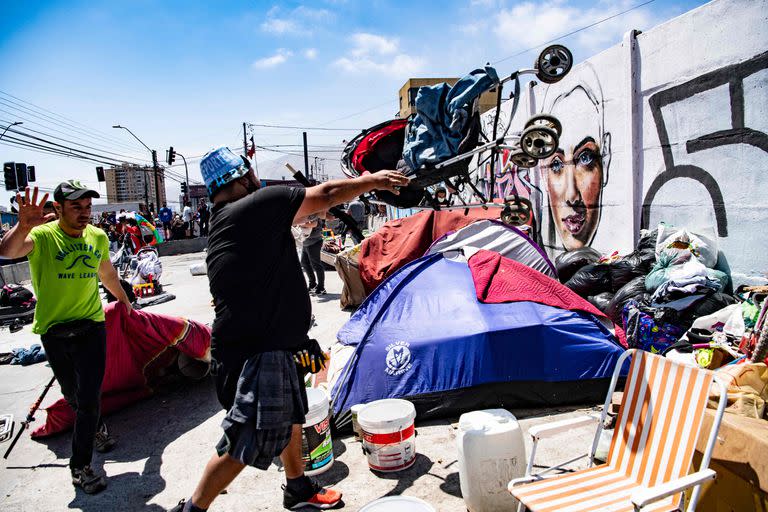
(424, 335)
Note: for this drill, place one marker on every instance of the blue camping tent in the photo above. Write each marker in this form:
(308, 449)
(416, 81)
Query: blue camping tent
(423, 335)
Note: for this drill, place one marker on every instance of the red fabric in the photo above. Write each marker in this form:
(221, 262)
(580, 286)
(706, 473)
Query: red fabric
(136, 239)
(138, 347)
(398, 242)
(498, 280)
(368, 142)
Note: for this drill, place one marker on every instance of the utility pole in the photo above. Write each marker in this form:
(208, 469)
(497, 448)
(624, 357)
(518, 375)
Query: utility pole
(306, 158)
(157, 182)
(245, 143)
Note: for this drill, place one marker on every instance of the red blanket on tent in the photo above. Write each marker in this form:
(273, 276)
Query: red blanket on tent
(398, 242)
(138, 347)
(498, 280)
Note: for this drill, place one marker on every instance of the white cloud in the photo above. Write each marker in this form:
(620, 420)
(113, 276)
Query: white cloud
(378, 54)
(366, 44)
(299, 21)
(529, 24)
(310, 53)
(280, 56)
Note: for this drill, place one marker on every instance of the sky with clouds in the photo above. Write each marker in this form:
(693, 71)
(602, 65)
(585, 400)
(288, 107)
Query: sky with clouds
(188, 74)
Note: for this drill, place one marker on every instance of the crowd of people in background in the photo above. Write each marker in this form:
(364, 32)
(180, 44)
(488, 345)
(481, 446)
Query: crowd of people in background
(173, 225)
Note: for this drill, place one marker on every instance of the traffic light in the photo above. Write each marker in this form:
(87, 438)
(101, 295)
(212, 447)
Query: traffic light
(100, 174)
(31, 172)
(184, 188)
(170, 156)
(9, 175)
(21, 176)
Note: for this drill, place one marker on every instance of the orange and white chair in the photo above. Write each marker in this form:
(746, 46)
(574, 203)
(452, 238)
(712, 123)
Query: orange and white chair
(651, 450)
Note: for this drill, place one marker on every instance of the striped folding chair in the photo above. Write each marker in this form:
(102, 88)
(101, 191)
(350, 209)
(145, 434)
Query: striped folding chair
(652, 447)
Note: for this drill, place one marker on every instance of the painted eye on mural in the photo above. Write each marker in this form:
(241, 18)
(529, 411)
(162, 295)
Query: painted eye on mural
(556, 165)
(586, 158)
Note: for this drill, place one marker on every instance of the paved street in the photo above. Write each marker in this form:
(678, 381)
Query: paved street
(165, 440)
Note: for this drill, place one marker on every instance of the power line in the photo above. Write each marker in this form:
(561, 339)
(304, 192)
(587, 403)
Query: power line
(307, 128)
(574, 32)
(64, 120)
(69, 134)
(17, 131)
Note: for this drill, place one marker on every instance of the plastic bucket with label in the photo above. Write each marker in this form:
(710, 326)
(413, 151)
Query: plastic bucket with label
(389, 436)
(316, 441)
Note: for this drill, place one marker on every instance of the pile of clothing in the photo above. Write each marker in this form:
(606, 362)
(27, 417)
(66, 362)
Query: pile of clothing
(657, 291)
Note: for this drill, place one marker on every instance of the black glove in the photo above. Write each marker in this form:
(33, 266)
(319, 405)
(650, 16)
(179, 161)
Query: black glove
(310, 358)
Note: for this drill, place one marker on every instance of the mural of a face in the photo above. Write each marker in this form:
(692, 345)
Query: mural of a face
(576, 174)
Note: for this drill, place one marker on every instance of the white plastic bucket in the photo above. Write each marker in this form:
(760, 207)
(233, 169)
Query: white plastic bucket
(316, 441)
(399, 504)
(491, 452)
(389, 436)
(355, 410)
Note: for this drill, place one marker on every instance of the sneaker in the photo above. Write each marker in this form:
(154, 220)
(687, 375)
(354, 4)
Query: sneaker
(319, 291)
(102, 441)
(88, 481)
(321, 498)
(311, 288)
(179, 507)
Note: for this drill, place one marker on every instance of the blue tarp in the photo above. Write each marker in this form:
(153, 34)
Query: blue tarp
(423, 331)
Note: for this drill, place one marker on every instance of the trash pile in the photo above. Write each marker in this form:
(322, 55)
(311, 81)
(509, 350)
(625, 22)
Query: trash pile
(671, 299)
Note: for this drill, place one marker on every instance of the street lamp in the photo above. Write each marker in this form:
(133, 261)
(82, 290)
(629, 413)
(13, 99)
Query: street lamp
(7, 127)
(154, 165)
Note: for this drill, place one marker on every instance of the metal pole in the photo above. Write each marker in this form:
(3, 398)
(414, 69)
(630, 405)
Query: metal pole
(157, 183)
(7, 127)
(245, 143)
(306, 158)
(186, 173)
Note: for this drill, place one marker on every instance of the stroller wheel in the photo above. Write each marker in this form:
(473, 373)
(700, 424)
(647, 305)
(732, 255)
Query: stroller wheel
(522, 160)
(539, 142)
(547, 121)
(553, 63)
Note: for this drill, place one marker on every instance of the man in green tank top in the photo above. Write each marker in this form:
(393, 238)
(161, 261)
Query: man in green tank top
(67, 258)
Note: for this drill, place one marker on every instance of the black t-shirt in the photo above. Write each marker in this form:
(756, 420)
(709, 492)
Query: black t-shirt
(258, 288)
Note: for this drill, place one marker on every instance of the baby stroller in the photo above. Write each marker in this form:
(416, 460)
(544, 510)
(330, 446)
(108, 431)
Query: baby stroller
(408, 145)
(17, 307)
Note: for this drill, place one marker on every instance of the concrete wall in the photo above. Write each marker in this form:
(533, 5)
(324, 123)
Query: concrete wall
(670, 125)
(174, 247)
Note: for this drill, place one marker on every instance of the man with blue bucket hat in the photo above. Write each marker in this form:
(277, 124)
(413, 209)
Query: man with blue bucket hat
(263, 315)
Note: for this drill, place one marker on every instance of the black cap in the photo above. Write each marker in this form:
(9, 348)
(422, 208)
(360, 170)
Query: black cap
(72, 190)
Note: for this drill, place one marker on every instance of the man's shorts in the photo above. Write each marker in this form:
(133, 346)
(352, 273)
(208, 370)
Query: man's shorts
(269, 399)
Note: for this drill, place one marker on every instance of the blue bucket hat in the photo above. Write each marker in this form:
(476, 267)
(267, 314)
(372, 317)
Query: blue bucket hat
(219, 167)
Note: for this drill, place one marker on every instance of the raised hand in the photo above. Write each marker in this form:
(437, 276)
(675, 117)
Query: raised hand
(390, 180)
(30, 211)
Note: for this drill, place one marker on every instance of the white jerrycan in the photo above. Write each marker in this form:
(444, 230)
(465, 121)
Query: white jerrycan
(491, 453)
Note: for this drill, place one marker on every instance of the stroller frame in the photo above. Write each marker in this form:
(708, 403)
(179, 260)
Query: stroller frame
(539, 139)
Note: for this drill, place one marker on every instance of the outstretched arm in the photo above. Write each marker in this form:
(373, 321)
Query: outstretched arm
(332, 193)
(17, 243)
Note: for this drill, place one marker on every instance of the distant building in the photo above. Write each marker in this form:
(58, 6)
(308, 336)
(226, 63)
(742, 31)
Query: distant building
(409, 90)
(128, 183)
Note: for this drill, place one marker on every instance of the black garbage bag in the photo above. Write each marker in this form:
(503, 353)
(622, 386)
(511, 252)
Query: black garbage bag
(633, 290)
(591, 280)
(648, 240)
(568, 263)
(601, 300)
(642, 259)
(706, 306)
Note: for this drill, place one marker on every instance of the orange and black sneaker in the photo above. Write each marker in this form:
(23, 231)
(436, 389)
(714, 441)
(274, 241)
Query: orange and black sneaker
(320, 498)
